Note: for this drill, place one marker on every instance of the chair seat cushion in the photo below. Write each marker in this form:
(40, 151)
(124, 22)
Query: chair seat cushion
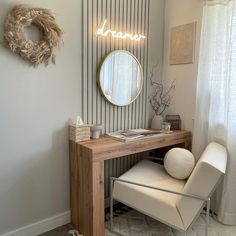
(156, 204)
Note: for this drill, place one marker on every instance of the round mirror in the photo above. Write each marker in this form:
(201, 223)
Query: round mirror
(120, 78)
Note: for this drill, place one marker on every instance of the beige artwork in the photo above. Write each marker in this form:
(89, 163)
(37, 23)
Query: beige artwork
(182, 44)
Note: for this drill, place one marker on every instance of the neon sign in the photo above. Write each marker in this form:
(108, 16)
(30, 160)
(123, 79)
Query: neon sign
(103, 31)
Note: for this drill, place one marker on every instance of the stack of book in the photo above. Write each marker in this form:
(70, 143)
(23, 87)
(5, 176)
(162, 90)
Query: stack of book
(134, 134)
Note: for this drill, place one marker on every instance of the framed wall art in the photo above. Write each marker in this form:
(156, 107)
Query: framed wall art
(182, 44)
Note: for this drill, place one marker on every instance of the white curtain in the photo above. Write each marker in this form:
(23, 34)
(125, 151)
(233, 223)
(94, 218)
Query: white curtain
(215, 118)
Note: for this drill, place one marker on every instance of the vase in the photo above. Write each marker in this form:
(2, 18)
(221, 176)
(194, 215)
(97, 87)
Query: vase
(96, 130)
(156, 122)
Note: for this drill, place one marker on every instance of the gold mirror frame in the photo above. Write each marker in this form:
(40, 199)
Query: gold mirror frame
(107, 56)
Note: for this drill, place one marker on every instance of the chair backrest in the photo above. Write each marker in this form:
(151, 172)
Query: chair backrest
(203, 180)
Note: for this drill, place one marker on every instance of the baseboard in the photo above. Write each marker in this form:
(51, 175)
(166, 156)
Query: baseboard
(42, 226)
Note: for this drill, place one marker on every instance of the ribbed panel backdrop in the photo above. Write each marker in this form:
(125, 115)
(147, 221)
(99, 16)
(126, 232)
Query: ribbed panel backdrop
(122, 15)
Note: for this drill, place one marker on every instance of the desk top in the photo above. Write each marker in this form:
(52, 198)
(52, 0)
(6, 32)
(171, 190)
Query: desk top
(106, 148)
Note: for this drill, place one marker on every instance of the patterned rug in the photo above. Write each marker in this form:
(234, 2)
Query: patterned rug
(132, 223)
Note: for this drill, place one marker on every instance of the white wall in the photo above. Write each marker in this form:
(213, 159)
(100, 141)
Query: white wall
(35, 105)
(178, 12)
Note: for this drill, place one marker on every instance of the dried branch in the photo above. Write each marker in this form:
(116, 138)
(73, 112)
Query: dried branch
(160, 99)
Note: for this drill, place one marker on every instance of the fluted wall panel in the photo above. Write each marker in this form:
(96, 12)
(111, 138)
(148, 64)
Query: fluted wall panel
(122, 15)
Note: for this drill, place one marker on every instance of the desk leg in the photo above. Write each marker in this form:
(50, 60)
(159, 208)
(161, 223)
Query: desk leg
(188, 143)
(87, 192)
(98, 199)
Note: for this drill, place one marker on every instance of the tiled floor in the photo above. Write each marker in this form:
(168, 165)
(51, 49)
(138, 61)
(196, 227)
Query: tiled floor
(133, 223)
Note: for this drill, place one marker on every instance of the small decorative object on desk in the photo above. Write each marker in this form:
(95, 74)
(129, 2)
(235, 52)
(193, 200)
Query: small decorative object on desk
(156, 122)
(165, 127)
(175, 121)
(96, 130)
(160, 99)
(78, 131)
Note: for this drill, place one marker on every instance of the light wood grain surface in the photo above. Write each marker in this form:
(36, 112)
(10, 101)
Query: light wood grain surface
(87, 174)
(107, 148)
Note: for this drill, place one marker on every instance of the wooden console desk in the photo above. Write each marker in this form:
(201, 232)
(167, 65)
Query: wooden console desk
(87, 174)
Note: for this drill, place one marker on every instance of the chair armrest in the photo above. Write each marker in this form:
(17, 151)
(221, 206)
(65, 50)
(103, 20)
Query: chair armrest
(113, 179)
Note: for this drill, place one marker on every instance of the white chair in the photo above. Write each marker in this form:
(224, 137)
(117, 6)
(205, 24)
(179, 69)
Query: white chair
(148, 188)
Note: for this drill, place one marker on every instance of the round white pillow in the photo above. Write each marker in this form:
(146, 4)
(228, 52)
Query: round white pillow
(179, 163)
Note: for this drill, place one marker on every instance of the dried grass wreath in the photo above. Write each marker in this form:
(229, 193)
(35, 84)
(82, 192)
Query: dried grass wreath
(39, 51)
